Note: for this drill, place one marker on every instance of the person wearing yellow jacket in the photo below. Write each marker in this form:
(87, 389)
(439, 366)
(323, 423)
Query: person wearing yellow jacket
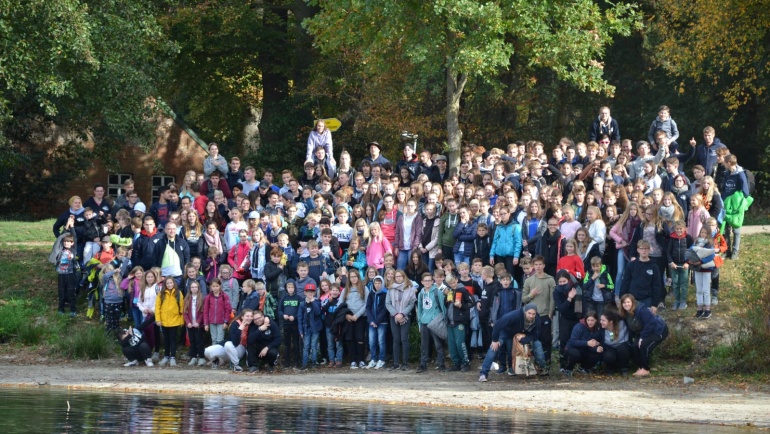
(168, 315)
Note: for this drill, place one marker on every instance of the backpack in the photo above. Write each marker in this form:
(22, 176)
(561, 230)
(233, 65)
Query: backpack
(751, 180)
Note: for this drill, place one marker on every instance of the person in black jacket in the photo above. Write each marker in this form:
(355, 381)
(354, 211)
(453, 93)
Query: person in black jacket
(565, 296)
(584, 345)
(642, 278)
(524, 321)
(143, 251)
(263, 343)
(134, 346)
(458, 304)
(171, 265)
(678, 245)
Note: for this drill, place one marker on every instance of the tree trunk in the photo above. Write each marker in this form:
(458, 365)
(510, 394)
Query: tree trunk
(454, 91)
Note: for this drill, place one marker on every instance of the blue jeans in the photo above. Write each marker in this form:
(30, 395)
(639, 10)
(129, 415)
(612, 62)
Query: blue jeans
(333, 347)
(486, 365)
(403, 259)
(462, 257)
(429, 261)
(537, 350)
(136, 314)
(310, 348)
(621, 266)
(377, 341)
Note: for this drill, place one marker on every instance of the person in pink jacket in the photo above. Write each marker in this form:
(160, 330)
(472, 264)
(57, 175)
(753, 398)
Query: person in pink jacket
(238, 258)
(216, 312)
(378, 247)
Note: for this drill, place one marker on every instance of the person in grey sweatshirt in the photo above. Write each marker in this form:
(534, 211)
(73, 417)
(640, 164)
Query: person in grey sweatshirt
(355, 297)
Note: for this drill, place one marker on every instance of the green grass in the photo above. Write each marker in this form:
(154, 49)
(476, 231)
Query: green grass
(27, 232)
(89, 342)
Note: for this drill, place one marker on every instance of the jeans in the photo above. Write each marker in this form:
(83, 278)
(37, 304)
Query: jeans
(310, 348)
(456, 342)
(621, 266)
(429, 261)
(217, 332)
(733, 247)
(333, 347)
(67, 286)
(537, 350)
(136, 314)
(505, 342)
(462, 257)
(377, 346)
(403, 259)
(679, 282)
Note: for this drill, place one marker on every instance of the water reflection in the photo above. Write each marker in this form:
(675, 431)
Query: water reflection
(46, 410)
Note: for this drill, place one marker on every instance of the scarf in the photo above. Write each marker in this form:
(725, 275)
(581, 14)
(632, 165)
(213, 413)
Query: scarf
(214, 241)
(667, 212)
(607, 125)
(78, 212)
(150, 234)
(244, 335)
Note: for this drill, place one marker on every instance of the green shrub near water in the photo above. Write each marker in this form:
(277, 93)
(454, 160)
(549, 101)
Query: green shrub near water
(17, 321)
(90, 342)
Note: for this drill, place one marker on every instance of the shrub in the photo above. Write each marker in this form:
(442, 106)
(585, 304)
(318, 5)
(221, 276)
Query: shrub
(678, 346)
(91, 342)
(17, 321)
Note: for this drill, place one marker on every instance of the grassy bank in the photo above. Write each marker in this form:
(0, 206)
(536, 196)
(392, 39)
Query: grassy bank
(732, 342)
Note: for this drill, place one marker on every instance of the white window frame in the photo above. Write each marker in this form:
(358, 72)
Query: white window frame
(115, 189)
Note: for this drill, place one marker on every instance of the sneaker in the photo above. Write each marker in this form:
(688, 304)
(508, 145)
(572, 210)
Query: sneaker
(371, 365)
(393, 368)
(565, 372)
(149, 363)
(495, 366)
(675, 306)
(699, 314)
(714, 300)
(237, 368)
(163, 362)
(131, 363)
(482, 378)
(172, 362)
(270, 369)
(155, 357)
(354, 365)
(380, 364)
(454, 368)
(201, 362)
(193, 361)
(253, 369)
(661, 306)
(441, 368)
(466, 368)
(362, 365)
(511, 372)
(683, 306)
(421, 369)
(303, 368)
(706, 314)
(404, 367)
(580, 370)
(73, 314)
(501, 370)
(215, 364)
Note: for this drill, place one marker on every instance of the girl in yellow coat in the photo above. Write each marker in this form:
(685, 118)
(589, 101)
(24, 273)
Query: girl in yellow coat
(168, 315)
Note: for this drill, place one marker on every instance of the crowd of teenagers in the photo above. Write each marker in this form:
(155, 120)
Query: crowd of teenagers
(578, 251)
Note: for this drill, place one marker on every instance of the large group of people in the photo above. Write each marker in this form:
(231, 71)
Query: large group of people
(578, 250)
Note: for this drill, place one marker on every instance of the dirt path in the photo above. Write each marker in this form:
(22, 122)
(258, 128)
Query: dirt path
(650, 399)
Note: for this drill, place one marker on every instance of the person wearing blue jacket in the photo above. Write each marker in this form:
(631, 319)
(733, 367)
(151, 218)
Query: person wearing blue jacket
(430, 304)
(464, 234)
(706, 153)
(507, 298)
(524, 321)
(584, 344)
(648, 329)
(379, 318)
(310, 326)
(506, 244)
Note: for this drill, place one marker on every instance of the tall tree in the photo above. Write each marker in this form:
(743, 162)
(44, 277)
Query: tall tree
(473, 39)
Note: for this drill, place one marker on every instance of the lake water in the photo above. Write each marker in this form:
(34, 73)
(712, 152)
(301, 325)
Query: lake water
(61, 411)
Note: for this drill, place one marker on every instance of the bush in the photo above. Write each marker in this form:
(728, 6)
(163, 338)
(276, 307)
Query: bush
(17, 321)
(678, 346)
(91, 342)
(32, 335)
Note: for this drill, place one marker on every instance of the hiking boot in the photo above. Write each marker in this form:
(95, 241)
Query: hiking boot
(699, 314)
(172, 362)
(201, 362)
(371, 365)
(131, 363)
(338, 365)
(675, 306)
(163, 362)
(303, 368)
(193, 361)
(482, 378)
(149, 363)
(706, 314)
(421, 369)
(330, 365)
(661, 306)
(380, 364)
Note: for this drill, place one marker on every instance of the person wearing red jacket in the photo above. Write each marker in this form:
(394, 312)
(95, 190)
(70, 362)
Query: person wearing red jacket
(238, 258)
(571, 261)
(217, 311)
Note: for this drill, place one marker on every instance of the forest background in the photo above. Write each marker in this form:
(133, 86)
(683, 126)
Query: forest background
(253, 75)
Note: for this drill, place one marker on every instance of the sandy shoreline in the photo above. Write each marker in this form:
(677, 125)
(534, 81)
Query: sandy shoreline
(649, 399)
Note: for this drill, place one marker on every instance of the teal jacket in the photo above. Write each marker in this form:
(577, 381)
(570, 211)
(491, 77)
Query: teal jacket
(507, 240)
(430, 304)
(736, 206)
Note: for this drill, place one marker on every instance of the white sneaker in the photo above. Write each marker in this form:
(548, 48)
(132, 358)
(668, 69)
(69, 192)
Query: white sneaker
(149, 363)
(371, 365)
(495, 366)
(172, 362)
(483, 378)
(131, 363)
(361, 365)
(163, 362)
(354, 365)
(193, 361)
(201, 362)
(380, 364)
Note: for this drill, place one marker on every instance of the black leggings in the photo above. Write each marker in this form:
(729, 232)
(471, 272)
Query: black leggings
(565, 331)
(170, 339)
(197, 344)
(291, 348)
(587, 358)
(615, 358)
(140, 352)
(354, 338)
(643, 352)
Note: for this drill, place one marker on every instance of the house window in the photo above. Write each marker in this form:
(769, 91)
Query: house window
(115, 184)
(159, 181)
